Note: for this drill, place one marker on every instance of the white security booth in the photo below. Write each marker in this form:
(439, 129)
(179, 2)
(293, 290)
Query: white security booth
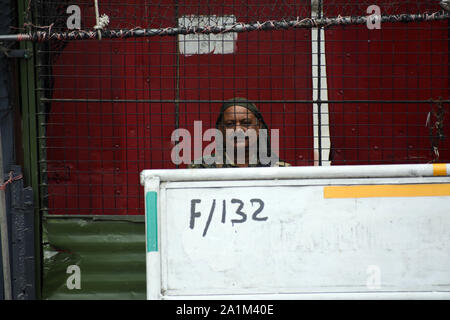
(343, 232)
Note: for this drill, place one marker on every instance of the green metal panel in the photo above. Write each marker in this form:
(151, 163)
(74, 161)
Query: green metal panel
(109, 251)
(29, 128)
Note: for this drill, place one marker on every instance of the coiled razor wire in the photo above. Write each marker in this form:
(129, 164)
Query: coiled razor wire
(299, 23)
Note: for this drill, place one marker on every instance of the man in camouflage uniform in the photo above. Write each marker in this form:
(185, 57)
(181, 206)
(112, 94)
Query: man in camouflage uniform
(239, 114)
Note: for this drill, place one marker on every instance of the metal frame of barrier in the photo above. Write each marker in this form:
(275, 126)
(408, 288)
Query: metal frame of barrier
(341, 182)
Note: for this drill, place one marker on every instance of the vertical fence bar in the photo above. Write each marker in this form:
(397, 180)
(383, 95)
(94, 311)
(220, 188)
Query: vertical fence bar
(153, 254)
(30, 145)
(321, 129)
(4, 234)
(177, 75)
(319, 84)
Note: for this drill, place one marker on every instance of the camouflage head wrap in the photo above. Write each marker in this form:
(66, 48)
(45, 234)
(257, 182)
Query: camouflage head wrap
(243, 103)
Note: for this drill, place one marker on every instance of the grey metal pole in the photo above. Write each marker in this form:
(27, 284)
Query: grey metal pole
(4, 233)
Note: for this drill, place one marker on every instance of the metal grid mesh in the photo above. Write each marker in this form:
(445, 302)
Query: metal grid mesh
(341, 95)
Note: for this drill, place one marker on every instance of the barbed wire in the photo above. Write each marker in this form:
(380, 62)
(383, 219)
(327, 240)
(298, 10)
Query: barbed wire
(299, 23)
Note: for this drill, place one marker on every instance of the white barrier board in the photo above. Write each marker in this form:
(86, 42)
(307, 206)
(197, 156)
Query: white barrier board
(292, 237)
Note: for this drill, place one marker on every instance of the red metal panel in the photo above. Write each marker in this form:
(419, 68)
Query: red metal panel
(95, 150)
(266, 66)
(396, 62)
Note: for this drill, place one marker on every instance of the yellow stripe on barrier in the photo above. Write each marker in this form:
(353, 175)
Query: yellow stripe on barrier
(439, 169)
(381, 191)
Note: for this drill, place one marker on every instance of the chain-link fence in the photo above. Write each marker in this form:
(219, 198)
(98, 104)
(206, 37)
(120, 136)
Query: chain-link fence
(340, 87)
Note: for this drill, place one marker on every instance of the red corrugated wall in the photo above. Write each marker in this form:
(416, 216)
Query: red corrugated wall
(95, 150)
(397, 62)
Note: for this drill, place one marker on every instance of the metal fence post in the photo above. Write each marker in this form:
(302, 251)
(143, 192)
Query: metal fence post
(4, 233)
(30, 131)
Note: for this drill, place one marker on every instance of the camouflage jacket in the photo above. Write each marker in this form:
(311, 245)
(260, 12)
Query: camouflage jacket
(194, 165)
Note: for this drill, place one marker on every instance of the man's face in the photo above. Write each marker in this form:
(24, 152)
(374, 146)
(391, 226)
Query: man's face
(239, 119)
